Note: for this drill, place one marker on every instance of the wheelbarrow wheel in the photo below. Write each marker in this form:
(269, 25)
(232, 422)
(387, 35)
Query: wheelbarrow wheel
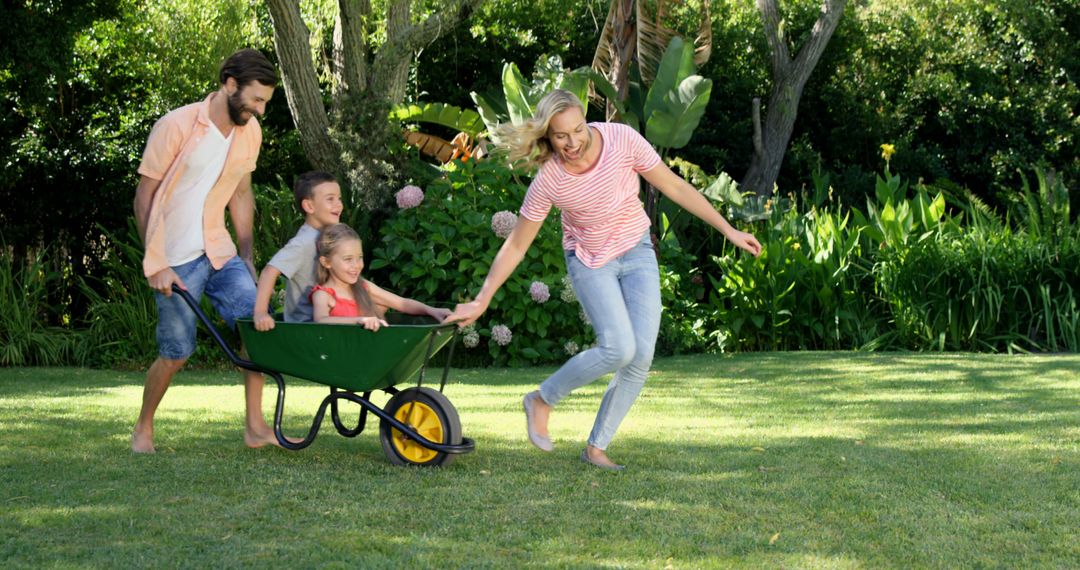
(431, 415)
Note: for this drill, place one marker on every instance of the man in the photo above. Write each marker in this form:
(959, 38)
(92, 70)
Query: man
(198, 161)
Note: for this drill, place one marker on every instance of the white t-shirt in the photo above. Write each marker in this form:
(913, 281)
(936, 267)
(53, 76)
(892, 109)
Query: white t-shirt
(184, 210)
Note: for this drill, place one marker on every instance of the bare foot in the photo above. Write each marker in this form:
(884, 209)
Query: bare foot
(600, 459)
(262, 438)
(142, 441)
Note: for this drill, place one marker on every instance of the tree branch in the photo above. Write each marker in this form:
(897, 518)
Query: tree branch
(402, 40)
(831, 11)
(770, 17)
(759, 145)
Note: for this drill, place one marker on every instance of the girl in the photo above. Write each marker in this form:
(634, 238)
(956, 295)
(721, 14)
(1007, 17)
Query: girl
(342, 296)
(590, 172)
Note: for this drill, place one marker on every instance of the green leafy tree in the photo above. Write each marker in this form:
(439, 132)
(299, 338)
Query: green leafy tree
(367, 77)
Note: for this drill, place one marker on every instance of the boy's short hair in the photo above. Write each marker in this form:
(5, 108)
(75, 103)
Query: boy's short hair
(306, 183)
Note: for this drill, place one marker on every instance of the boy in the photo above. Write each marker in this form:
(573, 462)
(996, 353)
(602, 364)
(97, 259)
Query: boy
(318, 196)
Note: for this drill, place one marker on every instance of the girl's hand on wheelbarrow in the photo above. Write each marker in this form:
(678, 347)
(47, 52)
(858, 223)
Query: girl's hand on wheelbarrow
(263, 322)
(371, 323)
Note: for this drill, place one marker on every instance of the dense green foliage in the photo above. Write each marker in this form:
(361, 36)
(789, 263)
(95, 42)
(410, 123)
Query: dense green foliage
(471, 58)
(441, 250)
(970, 91)
(973, 95)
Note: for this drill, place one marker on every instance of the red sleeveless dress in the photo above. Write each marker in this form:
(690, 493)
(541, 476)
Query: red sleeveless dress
(342, 307)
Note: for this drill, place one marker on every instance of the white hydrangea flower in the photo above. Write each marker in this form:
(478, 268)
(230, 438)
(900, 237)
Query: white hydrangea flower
(502, 223)
(567, 294)
(539, 292)
(501, 335)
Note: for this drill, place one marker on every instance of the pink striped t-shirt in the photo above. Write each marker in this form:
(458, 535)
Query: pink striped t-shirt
(602, 215)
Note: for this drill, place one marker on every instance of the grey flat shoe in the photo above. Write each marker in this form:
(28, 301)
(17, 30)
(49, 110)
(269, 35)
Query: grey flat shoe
(536, 439)
(612, 467)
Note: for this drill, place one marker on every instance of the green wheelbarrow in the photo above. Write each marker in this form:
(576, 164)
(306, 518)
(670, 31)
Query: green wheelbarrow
(417, 426)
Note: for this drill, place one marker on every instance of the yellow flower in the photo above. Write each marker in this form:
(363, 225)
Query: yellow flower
(887, 150)
(796, 246)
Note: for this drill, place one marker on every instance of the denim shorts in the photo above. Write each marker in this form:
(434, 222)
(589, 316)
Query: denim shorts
(231, 290)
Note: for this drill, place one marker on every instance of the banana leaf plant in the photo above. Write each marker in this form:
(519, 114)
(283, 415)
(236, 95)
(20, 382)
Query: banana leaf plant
(519, 97)
(466, 121)
(669, 111)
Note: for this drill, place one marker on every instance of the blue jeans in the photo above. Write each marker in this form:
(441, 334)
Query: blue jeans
(231, 290)
(622, 299)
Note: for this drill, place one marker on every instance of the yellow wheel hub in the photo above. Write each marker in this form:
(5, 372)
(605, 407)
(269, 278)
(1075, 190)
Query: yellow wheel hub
(424, 421)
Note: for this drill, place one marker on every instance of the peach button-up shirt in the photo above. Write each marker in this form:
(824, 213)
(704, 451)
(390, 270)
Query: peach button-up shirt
(172, 139)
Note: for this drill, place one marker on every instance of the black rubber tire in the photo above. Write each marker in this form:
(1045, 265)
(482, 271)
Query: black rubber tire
(443, 410)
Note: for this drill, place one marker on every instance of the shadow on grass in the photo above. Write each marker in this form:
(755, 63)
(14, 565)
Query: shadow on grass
(943, 464)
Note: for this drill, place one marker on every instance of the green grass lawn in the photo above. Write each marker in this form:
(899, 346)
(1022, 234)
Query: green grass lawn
(805, 460)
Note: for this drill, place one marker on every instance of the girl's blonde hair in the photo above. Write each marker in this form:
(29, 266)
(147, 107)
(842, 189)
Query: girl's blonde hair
(529, 140)
(330, 238)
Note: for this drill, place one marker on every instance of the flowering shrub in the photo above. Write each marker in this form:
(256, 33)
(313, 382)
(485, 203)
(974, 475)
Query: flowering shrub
(501, 335)
(409, 197)
(502, 223)
(440, 251)
(539, 292)
(469, 337)
(567, 294)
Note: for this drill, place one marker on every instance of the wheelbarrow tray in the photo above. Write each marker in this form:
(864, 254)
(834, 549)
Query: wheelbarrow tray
(348, 357)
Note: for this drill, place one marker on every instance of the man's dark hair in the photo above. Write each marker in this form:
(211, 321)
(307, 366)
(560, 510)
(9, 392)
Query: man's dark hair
(307, 182)
(249, 65)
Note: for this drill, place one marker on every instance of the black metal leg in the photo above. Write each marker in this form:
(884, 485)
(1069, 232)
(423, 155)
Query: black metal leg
(279, 410)
(347, 432)
(449, 357)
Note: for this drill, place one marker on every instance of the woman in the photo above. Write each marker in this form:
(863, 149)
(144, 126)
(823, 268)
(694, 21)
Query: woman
(590, 172)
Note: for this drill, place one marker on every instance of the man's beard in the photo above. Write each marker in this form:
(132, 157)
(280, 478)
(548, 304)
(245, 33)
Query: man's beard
(236, 110)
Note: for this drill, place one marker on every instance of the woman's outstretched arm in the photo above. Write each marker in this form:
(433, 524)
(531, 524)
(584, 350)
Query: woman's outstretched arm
(689, 199)
(510, 255)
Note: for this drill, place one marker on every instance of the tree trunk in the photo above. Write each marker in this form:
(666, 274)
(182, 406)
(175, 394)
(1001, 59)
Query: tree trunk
(302, 86)
(623, 50)
(350, 48)
(361, 90)
(392, 64)
(789, 77)
(390, 72)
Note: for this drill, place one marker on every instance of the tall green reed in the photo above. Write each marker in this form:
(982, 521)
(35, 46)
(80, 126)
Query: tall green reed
(26, 337)
(992, 283)
(122, 314)
(808, 288)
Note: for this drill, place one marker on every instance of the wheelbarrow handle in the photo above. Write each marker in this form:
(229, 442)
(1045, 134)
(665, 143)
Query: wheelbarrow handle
(229, 352)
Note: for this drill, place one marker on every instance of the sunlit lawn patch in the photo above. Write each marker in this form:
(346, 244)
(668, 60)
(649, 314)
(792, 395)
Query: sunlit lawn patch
(776, 460)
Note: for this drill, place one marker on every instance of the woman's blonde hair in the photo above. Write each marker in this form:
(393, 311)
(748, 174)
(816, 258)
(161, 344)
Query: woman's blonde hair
(330, 239)
(529, 140)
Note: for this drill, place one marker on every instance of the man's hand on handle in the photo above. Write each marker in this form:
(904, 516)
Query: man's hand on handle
(163, 280)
